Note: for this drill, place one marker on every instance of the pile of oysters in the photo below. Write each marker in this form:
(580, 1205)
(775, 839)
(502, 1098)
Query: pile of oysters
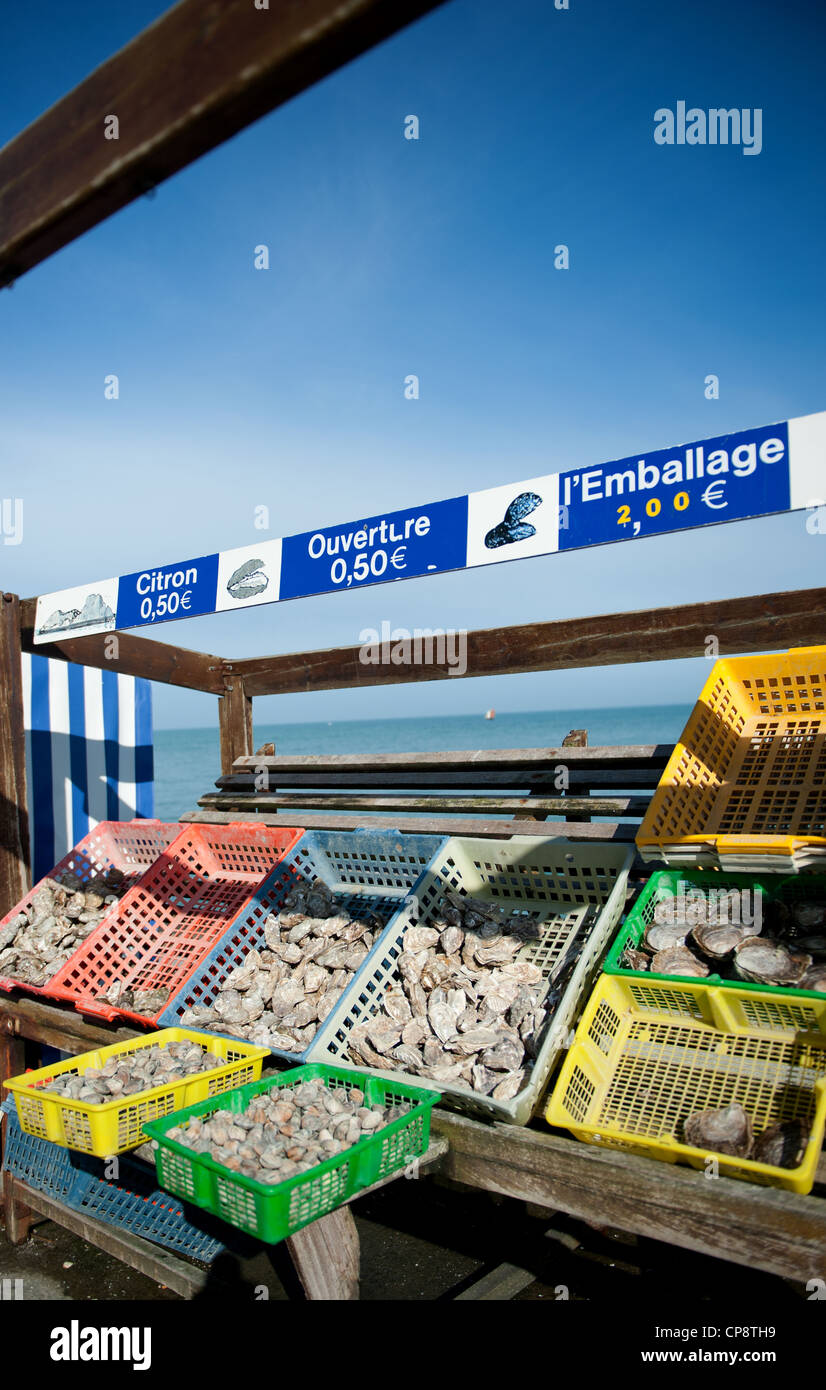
(286, 1130)
(729, 1130)
(464, 1009)
(127, 1073)
(735, 935)
(280, 996)
(61, 913)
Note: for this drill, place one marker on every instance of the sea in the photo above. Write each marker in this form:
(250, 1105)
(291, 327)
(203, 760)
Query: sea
(187, 761)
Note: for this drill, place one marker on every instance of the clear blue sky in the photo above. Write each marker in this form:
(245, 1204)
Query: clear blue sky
(433, 257)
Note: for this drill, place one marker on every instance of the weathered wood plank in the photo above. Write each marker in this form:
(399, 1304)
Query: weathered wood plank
(480, 805)
(326, 1255)
(21, 1017)
(18, 1215)
(759, 623)
(598, 832)
(136, 656)
(499, 1286)
(616, 755)
(195, 77)
(542, 783)
(158, 1264)
(779, 1232)
(234, 723)
(14, 817)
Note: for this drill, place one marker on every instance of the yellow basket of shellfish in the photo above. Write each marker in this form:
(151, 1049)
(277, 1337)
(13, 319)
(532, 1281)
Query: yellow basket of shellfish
(113, 1126)
(675, 1072)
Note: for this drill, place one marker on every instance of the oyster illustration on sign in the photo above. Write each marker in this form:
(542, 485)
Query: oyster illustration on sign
(514, 527)
(94, 613)
(248, 580)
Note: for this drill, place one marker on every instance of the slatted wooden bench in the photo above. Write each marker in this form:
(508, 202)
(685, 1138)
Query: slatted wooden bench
(596, 794)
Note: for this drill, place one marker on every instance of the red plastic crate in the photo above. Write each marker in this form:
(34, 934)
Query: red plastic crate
(169, 921)
(131, 846)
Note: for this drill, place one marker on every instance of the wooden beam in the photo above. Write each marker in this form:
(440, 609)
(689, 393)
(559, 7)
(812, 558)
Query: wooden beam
(516, 806)
(56, 1026)
(190, 81)
(764, 1228)
(237, 784)
(326, 1257)
(151, 1260)
(597, 832)
(15, 877)
(136, 656)
(235, 722)
(620, 755)
(761, 623)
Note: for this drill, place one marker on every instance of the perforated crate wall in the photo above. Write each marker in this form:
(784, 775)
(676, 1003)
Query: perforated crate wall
(638, 1070)
(369, 871)
(165, 926)
(554, 882)
(130, 846)
(748, 775)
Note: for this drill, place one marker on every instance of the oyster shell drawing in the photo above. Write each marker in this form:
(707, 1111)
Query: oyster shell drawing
(248, 580)
(514, 527)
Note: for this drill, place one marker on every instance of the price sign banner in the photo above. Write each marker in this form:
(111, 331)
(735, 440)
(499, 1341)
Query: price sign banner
(399, 545)
(733, 477)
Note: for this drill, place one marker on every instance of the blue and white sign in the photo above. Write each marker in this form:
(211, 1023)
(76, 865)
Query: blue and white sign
(400, 545)
(774, 468)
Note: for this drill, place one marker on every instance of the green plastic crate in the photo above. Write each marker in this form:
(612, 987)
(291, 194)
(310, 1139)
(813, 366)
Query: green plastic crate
(763, 1005)
(273, 1211)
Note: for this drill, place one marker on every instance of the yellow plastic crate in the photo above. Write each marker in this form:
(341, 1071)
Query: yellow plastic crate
(117, 1125)
(748, 776)
(637, 1070)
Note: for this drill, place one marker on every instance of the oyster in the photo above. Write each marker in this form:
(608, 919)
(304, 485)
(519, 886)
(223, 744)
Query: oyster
(725, 1131)
(769, 963)
(678, 960)
(55, 919)
(718, 942)
(279, 996)
(782, 1145)
(808, 914)
(814, 978)
(660, 936)
(471, 1012)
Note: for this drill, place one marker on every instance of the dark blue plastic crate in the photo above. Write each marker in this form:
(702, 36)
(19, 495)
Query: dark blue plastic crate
(134, 1203)
(356, 864)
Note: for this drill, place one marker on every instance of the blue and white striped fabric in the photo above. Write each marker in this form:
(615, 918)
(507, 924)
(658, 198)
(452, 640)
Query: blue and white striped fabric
(88, 753)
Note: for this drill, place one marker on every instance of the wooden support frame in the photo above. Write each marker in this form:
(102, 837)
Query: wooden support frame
(14, 818)
(190, 81)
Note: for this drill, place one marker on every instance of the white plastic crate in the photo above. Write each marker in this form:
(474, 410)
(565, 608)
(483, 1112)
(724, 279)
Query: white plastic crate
(549, 880)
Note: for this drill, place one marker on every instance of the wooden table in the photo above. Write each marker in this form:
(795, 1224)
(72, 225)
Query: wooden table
(778, 1232)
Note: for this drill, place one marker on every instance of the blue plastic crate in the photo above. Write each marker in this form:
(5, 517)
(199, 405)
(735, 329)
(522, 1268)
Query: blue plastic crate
(135, 1203)
(46, 1167)
(368, 870)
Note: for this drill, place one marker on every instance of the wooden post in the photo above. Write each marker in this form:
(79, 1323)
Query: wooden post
(235, 722)
(14, 818)
(17, 1216)
(577, 738)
